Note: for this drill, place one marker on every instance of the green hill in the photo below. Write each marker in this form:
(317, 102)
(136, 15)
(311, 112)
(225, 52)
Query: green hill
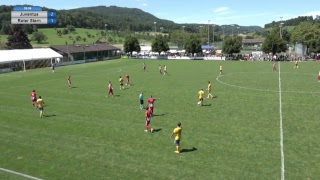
(117, 18)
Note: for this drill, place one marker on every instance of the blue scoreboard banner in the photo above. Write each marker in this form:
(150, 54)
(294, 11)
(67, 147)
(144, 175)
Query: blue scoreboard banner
(32, 15)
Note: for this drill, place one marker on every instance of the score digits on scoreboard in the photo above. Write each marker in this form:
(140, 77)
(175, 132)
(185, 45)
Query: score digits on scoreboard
(32, 15)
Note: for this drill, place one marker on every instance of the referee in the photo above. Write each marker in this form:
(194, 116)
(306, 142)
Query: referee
(141, 100)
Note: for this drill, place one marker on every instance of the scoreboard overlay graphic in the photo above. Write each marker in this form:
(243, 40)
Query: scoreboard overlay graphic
(32, 15)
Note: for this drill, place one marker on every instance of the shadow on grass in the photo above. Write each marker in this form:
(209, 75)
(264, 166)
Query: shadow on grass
(116, 95)
(206, 105)
(163, 114)
(51, 115)
(214, 97)
(74, 87)
(157, 130)
(188, 150)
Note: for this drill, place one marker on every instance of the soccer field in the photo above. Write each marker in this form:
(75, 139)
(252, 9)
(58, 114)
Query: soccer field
(236, 135)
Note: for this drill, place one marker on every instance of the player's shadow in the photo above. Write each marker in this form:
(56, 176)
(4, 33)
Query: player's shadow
(206, 105)
(214, 97)
(74, 87)
(188, 150)
(163, 114)
(116, 95)
(51, 115)
(157, 130)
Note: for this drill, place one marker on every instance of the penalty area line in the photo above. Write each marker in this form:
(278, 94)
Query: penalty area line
(19, 174)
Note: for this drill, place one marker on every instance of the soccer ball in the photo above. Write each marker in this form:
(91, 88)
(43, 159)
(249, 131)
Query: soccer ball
(199, 103)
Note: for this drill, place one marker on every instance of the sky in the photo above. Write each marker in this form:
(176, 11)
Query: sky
(245, 13)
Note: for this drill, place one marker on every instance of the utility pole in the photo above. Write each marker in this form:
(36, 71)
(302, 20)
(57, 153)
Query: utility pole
(200, 34)
(213, 34)
(281, 25)
(105, 31)
(208, 32)
(223, 33)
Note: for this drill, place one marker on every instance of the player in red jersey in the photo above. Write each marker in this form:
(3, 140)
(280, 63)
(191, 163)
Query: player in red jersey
(110, 89)
(69, 81)
(148, 120)
(144, 66)
(128, 80)
(160, 69)
(319, 76)
(274, 67)
(151, 104)
(33, 95)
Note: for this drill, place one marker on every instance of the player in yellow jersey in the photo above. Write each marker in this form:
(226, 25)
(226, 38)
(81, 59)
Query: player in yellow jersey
(220, 69)
(177, 131)
(296, 64)
(209, 90)
(40, 104)
(165, 70)
(121, 82)
(201, 96)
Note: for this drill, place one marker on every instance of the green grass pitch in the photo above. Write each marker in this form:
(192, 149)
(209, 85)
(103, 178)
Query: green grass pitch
(89, 136)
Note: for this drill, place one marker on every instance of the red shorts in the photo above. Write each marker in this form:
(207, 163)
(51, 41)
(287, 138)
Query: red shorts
(151, 109)
(319, 77)
(34, 100)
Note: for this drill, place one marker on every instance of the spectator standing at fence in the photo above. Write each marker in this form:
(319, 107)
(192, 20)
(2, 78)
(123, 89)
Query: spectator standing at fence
(52, 67)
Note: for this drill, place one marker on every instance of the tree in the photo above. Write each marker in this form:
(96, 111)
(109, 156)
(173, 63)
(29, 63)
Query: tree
(159, 44)
(193, 45)
(17, 38)
(249, 37)
(273, 43)
(286, 35)
(307, 33)
(131, 44)
(29, 29)
(110, 39)
(39, 37)
(177, 37)
(65, 31)
(78, 38)
(6, 27)
(232, 45)
(71, 28)
(2, 46)
(102, 33)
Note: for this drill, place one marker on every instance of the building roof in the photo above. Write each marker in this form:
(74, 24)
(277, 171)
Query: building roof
(27, 54)
(77, 48)
(252, 40)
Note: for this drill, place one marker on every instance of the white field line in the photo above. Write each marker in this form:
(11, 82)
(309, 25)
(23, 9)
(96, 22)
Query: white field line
(19, 174)
(281, 129)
